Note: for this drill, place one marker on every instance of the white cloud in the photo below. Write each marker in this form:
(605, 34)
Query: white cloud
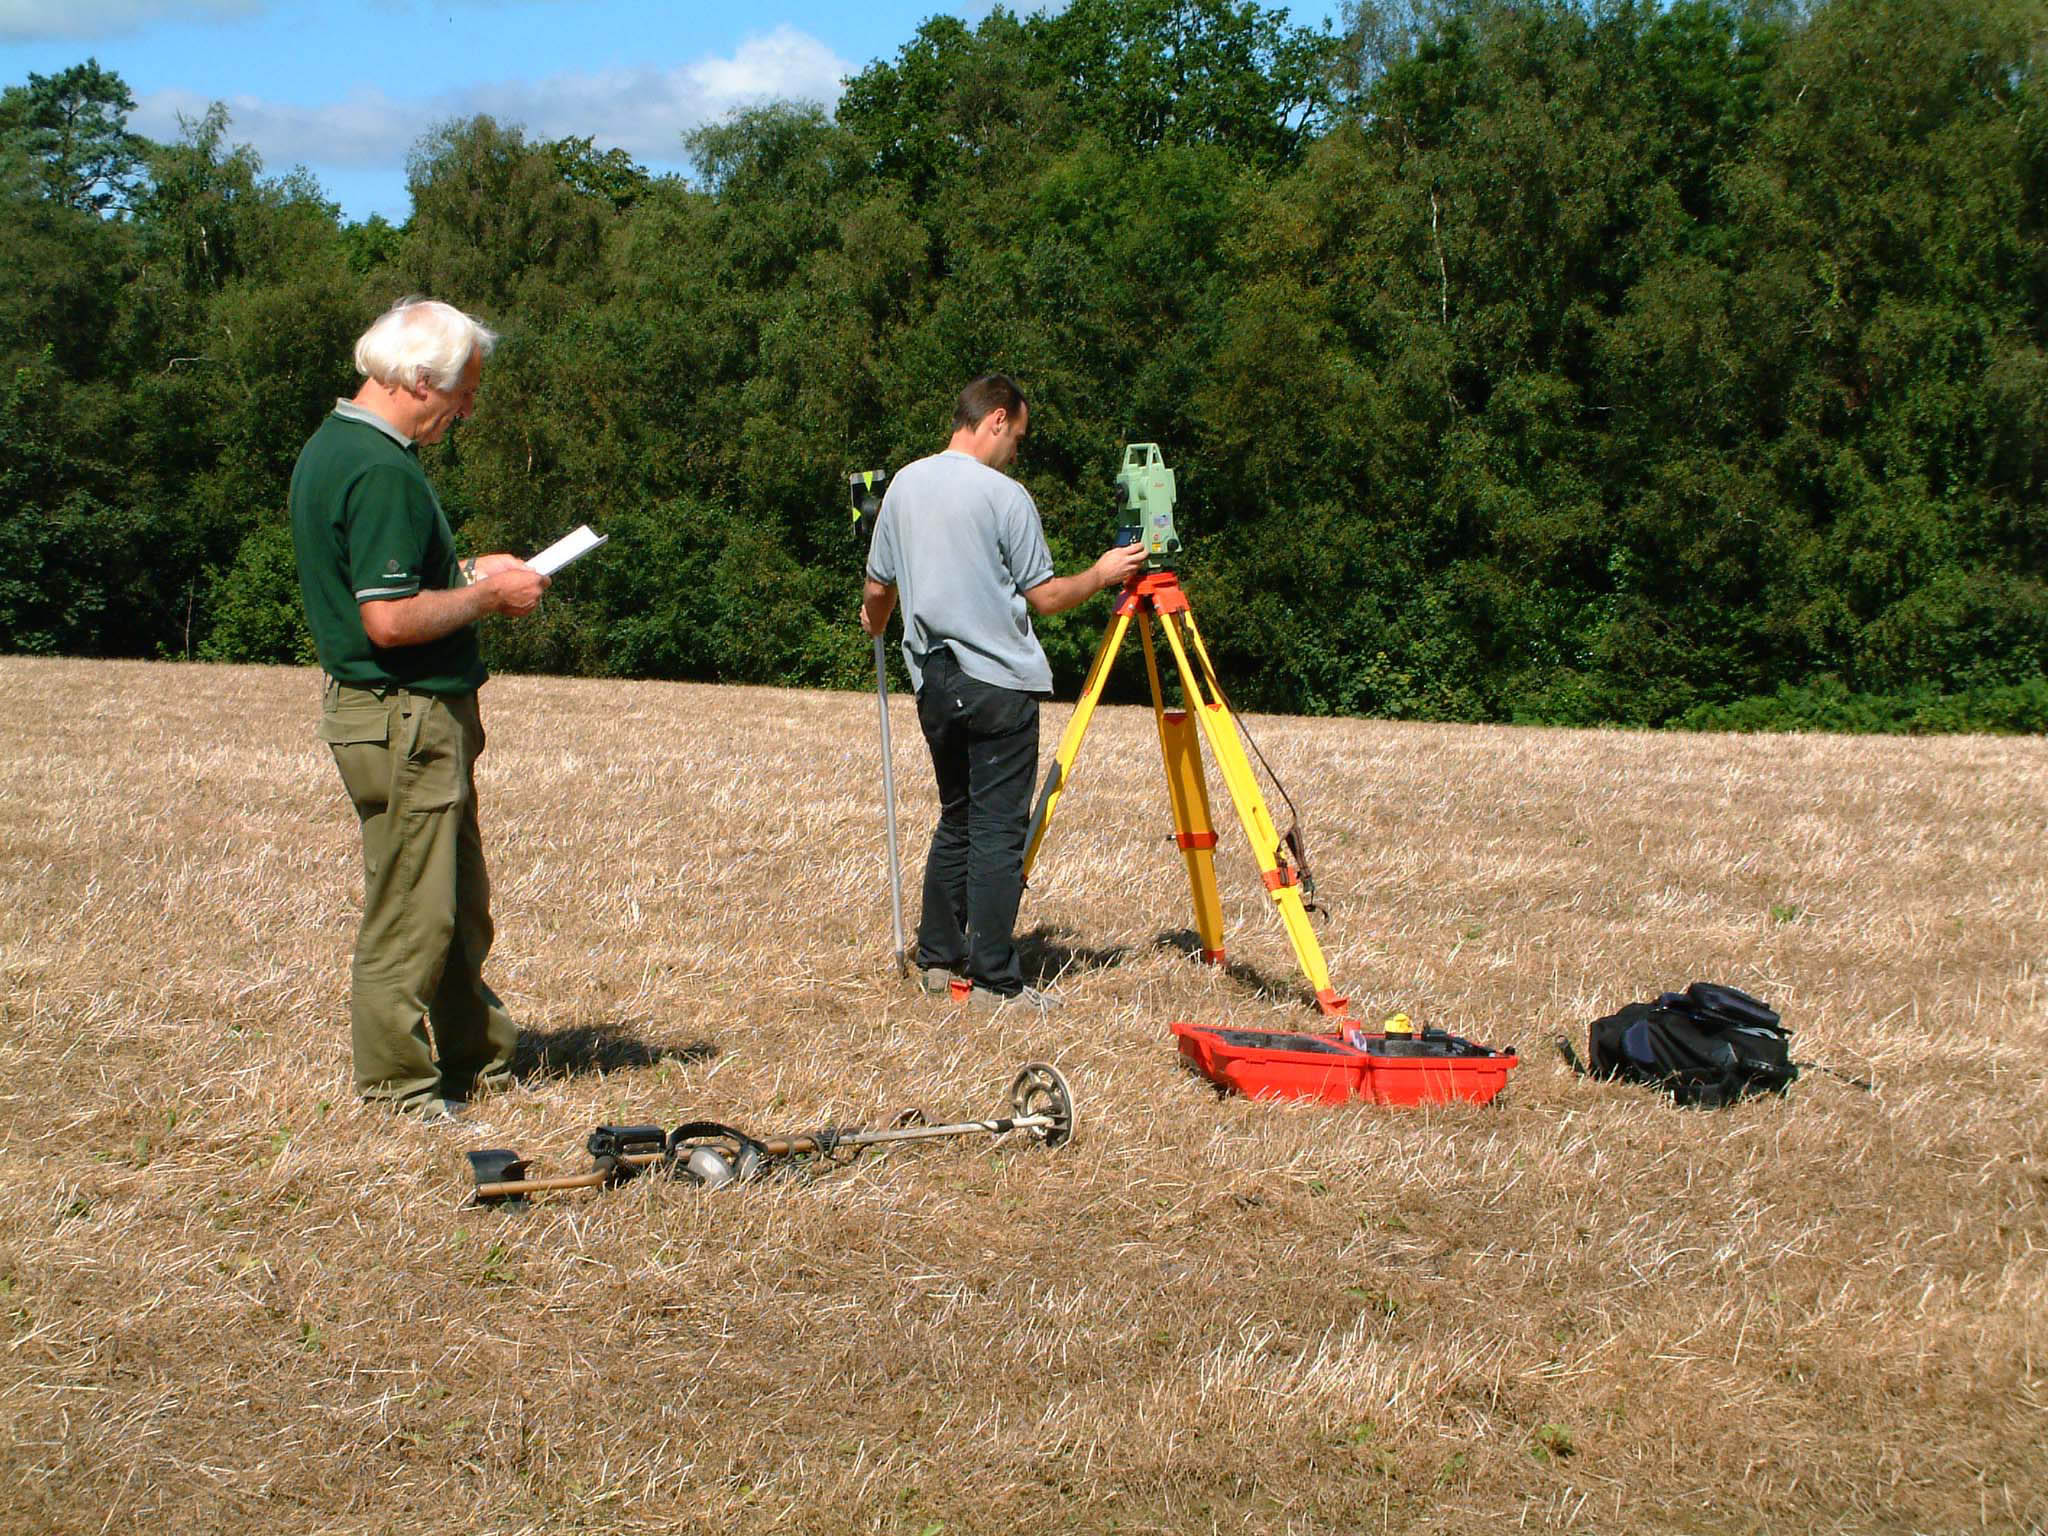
(369, 128)
(644, 111)
(29, 20)
(785, 64)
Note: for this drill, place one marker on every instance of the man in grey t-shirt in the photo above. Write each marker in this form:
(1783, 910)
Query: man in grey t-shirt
(960, 543)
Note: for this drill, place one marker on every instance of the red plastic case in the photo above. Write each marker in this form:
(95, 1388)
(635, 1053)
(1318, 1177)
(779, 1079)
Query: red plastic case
(1263, 1065)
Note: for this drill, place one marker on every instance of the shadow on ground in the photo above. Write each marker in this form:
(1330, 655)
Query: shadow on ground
(583, 1049)
(1046, 956)
(1189, 943)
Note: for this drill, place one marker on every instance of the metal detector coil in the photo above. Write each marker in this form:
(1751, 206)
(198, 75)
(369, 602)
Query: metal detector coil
(713, 1154)
(1041, 1094)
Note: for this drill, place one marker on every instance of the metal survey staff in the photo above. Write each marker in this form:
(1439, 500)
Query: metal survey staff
(960, 544)
(393, 613)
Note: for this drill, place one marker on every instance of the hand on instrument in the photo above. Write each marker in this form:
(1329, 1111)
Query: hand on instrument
(1119, 565)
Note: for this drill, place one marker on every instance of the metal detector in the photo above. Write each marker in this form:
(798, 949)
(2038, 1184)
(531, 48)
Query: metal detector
(866, 490)
(712, 1154)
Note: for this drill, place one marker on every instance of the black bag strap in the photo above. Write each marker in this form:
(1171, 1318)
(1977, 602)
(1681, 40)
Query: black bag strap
(1854, 1082)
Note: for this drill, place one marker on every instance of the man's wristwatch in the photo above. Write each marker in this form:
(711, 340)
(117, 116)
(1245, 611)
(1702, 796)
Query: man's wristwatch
(469, 571)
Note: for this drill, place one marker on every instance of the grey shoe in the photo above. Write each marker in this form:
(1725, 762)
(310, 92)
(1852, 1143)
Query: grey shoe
(1026, 1000)
(932, 980)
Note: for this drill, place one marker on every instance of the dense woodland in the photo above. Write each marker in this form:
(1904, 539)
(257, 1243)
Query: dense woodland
(1618, 362)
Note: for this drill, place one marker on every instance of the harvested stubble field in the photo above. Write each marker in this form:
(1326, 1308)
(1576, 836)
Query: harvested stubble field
(236, 1301)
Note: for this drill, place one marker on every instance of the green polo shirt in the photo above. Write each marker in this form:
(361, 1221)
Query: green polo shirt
(368, 528)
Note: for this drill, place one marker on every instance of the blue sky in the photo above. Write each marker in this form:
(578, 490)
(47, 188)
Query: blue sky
(346, 89)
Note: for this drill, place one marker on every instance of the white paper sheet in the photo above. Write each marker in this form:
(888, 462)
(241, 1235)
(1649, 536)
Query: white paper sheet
(570, 546)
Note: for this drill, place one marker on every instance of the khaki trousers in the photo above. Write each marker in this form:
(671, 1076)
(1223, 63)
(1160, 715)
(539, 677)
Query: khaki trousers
(408, 762)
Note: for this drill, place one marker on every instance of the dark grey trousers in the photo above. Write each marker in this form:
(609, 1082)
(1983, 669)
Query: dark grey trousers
(984, 745)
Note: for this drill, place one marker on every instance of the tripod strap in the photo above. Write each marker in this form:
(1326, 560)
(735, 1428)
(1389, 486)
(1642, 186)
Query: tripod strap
(1297, 849)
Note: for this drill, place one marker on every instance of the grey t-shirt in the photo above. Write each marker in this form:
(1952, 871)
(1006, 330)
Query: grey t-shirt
(961, 544)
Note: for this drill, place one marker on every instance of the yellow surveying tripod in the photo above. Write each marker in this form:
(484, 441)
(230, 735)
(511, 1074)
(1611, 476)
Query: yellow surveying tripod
(1157, 595)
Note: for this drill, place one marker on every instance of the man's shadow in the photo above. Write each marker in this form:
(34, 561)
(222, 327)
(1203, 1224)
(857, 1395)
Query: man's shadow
(1189, 943)
(581, 1049)
(1045, 955)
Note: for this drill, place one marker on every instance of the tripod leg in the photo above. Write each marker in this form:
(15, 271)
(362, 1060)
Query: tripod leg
(1181, 747)
(1070, 740)
(1205, 699)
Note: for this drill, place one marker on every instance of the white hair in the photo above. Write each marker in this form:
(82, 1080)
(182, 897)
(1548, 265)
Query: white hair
(422, 341)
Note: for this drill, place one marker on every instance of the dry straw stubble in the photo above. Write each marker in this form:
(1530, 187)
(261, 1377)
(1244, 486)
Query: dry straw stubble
(233, 1299)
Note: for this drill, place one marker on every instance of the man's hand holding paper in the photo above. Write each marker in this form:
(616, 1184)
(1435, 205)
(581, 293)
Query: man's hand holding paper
(514, 586)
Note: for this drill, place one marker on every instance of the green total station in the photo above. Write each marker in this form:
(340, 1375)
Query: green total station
(1147, 509)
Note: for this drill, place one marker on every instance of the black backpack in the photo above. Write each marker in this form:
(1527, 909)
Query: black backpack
(1706, 1046)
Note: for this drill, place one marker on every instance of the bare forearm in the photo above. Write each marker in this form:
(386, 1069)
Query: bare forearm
(425, 616)
(1113, 569)
(877, 602)
(1063, 592)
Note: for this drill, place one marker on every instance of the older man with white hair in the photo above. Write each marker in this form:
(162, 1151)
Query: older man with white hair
(393, 610)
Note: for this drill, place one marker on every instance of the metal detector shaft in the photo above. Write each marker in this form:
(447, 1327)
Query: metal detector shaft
(790, 1146)
(512, 1189)
(889, 802)
(778, 1146)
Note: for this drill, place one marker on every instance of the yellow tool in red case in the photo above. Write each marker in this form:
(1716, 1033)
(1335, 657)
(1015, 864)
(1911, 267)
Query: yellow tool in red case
(1394, 1066)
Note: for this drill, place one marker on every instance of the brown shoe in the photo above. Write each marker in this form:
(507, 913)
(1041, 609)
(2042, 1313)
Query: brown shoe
(443, 1115)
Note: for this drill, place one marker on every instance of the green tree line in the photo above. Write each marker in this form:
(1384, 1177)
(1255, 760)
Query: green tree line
(1617, 362)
